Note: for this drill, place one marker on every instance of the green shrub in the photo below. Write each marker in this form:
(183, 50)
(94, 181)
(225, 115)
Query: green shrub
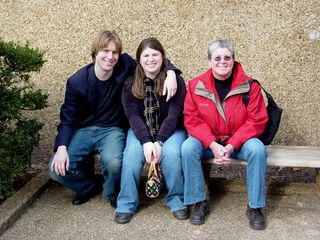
(19, 135)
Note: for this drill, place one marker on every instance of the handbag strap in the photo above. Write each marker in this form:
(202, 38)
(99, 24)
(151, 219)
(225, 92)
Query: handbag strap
(152, 169)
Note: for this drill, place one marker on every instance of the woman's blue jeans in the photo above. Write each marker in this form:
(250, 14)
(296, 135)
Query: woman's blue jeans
(253, 151)
(133, 162)
(109, 142)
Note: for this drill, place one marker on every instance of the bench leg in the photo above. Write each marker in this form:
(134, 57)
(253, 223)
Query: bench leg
(206, 173)
(318, 178)
(207, 179)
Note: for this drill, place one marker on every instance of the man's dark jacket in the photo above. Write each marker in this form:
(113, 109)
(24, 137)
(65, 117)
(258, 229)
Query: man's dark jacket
(80, 103)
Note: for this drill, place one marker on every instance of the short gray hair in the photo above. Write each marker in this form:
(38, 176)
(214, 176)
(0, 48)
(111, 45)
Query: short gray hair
(220, 43)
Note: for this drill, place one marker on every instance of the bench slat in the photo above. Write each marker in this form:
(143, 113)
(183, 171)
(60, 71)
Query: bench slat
(288, 156)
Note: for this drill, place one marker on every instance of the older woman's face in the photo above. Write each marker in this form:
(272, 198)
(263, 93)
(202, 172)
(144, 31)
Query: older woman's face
(151, 61)
(221, 63)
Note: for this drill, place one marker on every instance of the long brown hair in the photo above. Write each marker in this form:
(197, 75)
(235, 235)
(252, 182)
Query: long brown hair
(139, 75)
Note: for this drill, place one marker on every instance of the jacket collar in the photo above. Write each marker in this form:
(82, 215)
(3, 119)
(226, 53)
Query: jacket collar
(205, 87)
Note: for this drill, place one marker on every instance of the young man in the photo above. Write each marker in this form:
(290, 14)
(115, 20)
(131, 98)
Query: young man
(92, 120)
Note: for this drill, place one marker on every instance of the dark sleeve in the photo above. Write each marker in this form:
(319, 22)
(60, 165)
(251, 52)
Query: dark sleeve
(135, 116)
(124, 67)
(175, 111)
(170, 66)
(68, 113)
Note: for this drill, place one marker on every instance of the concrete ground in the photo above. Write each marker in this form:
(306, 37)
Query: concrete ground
(292, 212)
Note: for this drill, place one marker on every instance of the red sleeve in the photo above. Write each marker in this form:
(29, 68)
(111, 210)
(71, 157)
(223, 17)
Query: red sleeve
(195, 126)
(257, 118)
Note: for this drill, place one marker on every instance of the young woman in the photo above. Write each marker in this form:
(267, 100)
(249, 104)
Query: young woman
(156, 132)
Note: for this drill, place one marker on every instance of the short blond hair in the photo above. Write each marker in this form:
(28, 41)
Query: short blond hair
(101, 41)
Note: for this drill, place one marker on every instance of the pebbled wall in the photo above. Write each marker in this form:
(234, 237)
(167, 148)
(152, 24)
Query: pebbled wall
(278, 42)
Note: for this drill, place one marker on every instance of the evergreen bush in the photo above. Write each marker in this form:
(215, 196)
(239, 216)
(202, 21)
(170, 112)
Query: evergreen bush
(19, 134)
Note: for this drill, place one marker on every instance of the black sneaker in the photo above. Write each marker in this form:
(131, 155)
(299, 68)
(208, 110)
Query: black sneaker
(256, 218)
(200, 211)
(123, 218)
(98, 187)
(113, 202)
(181, 214)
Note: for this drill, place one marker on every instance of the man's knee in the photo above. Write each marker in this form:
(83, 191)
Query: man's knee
(112, 164)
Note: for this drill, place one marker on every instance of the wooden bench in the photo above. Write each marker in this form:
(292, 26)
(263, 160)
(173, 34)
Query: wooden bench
(278, 156)
(283, 156)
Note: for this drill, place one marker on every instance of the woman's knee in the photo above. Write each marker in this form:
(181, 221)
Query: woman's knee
(172, 151)
(191, 146)
(256, 151)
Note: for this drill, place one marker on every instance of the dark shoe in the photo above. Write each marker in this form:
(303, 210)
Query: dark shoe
(201, 210)
(81, 199)
(181, 214)
(122, 218)
(256, 218)
(113, 202)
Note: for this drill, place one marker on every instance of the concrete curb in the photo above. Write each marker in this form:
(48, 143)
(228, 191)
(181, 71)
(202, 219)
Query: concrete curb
(12, 208)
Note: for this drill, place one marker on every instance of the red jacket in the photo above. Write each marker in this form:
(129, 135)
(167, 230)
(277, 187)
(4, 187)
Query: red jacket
(208, 120)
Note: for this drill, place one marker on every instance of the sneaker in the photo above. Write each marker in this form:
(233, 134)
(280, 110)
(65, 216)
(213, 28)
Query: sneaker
(123, 218)
(181, 214)
(256, 218)
(200, 211)
(113, 202)
(81, 199)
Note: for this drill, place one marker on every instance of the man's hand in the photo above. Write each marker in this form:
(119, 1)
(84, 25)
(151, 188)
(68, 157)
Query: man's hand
(60, 162)
(170, 85)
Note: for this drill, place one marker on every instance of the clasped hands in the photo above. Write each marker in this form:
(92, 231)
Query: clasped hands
(152, 152)
(221, 153)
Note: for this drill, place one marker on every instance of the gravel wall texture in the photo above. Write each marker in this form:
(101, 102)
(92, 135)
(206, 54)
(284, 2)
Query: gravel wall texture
(278, 42)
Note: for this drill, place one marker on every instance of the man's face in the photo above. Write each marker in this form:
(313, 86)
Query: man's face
(221, 63)
(107, 58)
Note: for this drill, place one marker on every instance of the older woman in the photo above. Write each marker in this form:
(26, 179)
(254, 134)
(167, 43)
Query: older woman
(156, 132)
(220, 126)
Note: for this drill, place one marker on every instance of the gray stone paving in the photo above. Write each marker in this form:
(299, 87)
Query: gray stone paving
(292, 213)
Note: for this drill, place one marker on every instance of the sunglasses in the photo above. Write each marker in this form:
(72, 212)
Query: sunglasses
(225, 58)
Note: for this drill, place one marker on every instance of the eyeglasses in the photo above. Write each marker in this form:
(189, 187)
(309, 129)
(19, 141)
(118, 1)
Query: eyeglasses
(219, 58)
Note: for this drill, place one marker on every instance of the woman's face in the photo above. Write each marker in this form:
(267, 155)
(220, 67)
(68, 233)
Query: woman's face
(151, 61)
(221, 63)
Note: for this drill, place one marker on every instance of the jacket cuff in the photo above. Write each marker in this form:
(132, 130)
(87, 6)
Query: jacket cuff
(208, 140)
(145, 140)
(161, 138)
(236, 144)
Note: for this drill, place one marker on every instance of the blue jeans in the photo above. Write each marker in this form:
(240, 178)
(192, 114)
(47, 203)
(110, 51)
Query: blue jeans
(133, 162)
(253, 151)
(109, 142)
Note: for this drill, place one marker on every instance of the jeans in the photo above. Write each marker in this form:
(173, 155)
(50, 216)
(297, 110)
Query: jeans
(109, 142)
(133, 162)
(253, 151)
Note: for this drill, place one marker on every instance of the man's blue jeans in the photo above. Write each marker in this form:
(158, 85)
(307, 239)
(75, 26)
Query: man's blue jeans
(109, 142)
(133, 162)
(253, 151)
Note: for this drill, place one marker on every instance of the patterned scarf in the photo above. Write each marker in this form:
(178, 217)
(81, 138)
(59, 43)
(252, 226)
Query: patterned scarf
(151, 108)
